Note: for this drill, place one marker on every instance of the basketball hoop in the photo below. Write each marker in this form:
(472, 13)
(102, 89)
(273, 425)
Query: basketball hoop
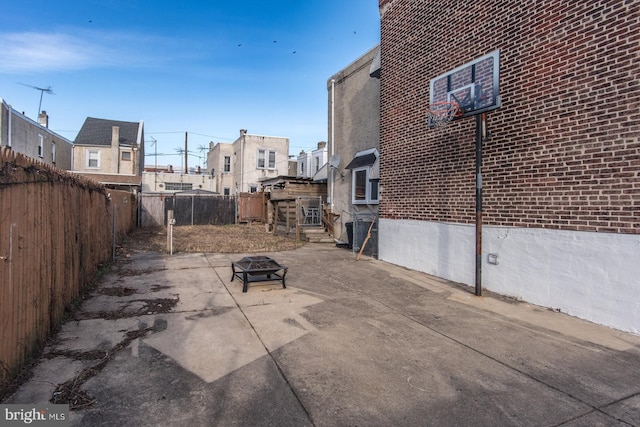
(441, 113)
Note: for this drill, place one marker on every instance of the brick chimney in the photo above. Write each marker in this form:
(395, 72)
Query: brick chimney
(383, 5)
(43, 119)
(115, 149)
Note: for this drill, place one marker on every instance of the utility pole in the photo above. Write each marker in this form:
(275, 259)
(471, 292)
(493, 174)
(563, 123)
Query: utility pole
(186, 152)
(155, 169)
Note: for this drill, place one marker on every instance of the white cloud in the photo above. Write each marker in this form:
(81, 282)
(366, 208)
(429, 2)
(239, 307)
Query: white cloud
(43, 52)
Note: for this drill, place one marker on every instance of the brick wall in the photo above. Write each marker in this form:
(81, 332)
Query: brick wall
(564, 151)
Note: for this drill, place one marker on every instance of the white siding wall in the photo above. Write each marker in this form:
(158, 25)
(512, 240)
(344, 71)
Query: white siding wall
(594, 276)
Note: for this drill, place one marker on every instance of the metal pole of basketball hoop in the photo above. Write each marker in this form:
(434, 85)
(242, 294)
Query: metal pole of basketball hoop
(481, 134)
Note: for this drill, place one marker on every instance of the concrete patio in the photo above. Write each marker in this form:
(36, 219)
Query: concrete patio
(172, 341)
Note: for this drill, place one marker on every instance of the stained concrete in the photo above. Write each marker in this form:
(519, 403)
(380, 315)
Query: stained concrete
(346, 343)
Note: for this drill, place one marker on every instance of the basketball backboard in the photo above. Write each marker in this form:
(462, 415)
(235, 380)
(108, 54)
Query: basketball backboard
(473, 86)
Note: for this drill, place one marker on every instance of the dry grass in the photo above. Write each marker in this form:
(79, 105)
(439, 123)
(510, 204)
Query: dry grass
(239, 238)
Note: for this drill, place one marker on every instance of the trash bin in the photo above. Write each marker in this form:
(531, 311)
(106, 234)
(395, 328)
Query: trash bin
(349, 226)
(357, 236)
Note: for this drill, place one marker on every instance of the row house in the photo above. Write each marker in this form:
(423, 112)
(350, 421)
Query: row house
(241, 166)
(34, 139)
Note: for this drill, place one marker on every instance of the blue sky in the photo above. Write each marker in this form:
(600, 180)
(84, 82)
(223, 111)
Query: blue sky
(209, 68)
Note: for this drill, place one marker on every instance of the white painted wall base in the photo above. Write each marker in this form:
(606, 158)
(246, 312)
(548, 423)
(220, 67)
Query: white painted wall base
(594, 276)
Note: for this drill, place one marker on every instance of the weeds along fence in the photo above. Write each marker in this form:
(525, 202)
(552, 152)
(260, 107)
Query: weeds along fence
(56, 231)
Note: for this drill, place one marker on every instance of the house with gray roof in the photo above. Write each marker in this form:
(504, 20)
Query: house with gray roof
(110, 151)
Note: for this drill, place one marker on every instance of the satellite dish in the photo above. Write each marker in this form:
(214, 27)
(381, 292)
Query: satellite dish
(334, 161)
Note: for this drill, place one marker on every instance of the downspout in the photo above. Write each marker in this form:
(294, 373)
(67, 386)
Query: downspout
(242, 164)
(139, 162)
(134, 153)
(333, 98)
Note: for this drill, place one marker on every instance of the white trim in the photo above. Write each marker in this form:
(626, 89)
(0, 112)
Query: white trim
(364, 201)
(40, 146)
(368, 151)
(88, 152)
(368, 199)
(267, 152)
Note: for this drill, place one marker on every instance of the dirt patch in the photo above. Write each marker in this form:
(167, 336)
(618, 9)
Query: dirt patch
(151, 306)
(77, 355)
(158, 305)
(117, 291)
(240, 238)
(133, 273)
(71, 393)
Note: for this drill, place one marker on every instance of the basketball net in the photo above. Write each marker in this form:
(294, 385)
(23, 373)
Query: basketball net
(441, 113)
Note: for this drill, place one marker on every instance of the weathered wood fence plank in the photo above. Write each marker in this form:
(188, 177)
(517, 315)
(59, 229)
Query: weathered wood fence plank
(56, 230)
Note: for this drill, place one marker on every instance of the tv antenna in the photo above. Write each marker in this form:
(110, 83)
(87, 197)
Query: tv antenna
(202, 149)
(181, 152)
(42, 90)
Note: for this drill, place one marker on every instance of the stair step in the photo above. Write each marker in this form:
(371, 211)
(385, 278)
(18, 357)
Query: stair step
(316, 230)
(316, 235)
(320, 240)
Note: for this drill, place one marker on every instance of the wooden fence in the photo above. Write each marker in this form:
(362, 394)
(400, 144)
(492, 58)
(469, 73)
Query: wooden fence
(125, 206)
(189, 208)
(152, 209)
(251, 207)
(56, 231)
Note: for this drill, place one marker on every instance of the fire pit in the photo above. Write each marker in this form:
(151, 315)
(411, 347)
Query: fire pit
(256, 269)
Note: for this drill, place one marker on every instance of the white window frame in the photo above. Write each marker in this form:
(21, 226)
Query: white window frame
(178, 186)
(97, 159)
(369, 183)
(122, 153)
(226, 166)
(53, 151)
(40, 146)
(264, 155)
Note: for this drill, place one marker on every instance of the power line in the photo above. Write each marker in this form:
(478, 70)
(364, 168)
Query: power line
(190, 133)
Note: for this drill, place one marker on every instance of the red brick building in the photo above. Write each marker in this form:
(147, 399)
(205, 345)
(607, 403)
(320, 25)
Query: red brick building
(561, 170)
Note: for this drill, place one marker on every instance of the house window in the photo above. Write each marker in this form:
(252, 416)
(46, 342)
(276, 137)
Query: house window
(40, 146)
(227, 191)
(227, 163)
(317, 162)
(93, 159)
(364, 178)
(253, 189)
(178, 186)
(53, 152)
(126, 156)
(364, 189)
(373, 189)
(266, 159)
(360, 185)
